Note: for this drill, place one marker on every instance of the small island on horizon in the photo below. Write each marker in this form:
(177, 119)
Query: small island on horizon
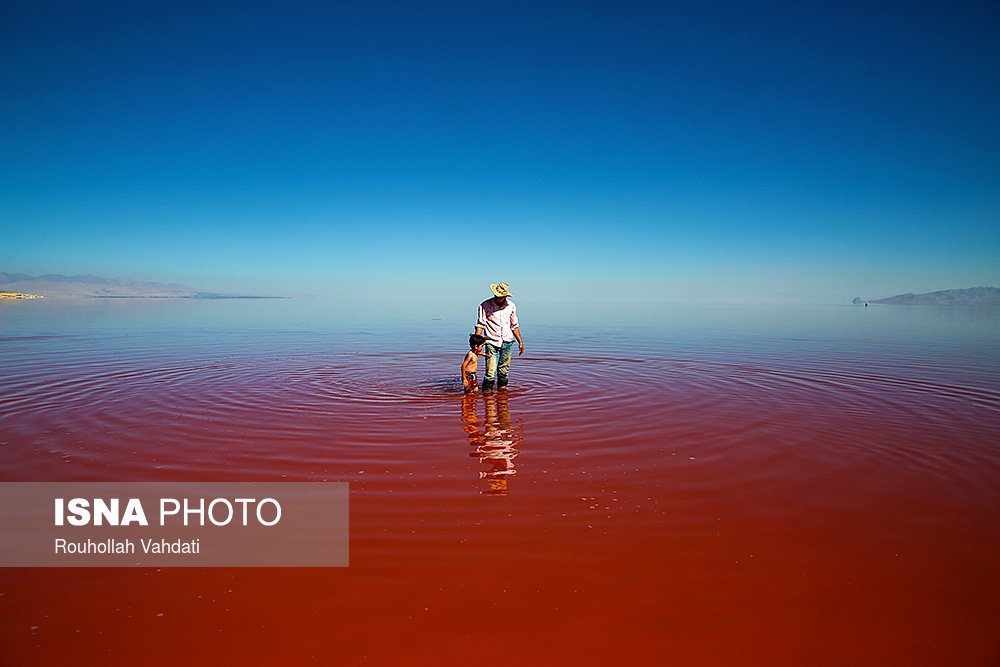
(55, 285)
(972, 296)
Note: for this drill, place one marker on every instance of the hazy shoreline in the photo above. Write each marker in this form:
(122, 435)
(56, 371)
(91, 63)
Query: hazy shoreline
(56, 285)
(19, 295)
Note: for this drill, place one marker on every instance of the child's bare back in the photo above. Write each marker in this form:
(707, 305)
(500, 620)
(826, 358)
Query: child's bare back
(471, 362)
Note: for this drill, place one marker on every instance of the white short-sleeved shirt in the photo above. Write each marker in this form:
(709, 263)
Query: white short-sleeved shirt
(497, 322)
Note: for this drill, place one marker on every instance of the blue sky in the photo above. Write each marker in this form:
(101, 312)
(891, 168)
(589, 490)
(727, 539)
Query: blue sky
(711, 151)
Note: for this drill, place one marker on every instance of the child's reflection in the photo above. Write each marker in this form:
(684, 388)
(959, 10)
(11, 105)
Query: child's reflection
(494, 439)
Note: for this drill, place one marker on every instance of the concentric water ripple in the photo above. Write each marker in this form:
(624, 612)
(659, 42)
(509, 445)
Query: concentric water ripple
(89, 399)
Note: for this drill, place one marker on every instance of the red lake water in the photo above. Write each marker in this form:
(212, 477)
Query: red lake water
(714, 485)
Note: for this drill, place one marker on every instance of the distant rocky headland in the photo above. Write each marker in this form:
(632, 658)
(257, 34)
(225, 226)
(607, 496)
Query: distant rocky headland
(90, 286)
(973, 296)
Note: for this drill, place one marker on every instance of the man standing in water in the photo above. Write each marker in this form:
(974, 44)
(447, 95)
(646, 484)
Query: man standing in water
(498, 324)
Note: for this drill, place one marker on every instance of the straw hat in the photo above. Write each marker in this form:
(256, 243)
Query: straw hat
(500, 289)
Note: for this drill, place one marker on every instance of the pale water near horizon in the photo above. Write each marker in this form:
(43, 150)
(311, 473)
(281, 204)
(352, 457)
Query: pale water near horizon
(751, 485)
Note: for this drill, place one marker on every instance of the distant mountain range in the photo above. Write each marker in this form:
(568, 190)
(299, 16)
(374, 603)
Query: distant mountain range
(973, 296)
(57, 285)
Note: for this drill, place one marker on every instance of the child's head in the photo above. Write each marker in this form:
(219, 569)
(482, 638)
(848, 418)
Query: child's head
(476, 341)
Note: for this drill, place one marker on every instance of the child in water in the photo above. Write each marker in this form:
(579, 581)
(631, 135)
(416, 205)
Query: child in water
(471, 362)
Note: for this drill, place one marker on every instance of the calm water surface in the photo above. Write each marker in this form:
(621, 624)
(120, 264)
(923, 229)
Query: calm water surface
(721, 485)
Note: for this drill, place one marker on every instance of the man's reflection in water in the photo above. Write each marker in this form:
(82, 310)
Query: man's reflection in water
(494, 439)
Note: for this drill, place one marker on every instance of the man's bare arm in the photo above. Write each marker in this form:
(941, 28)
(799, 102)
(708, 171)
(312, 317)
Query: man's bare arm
(520, 343)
